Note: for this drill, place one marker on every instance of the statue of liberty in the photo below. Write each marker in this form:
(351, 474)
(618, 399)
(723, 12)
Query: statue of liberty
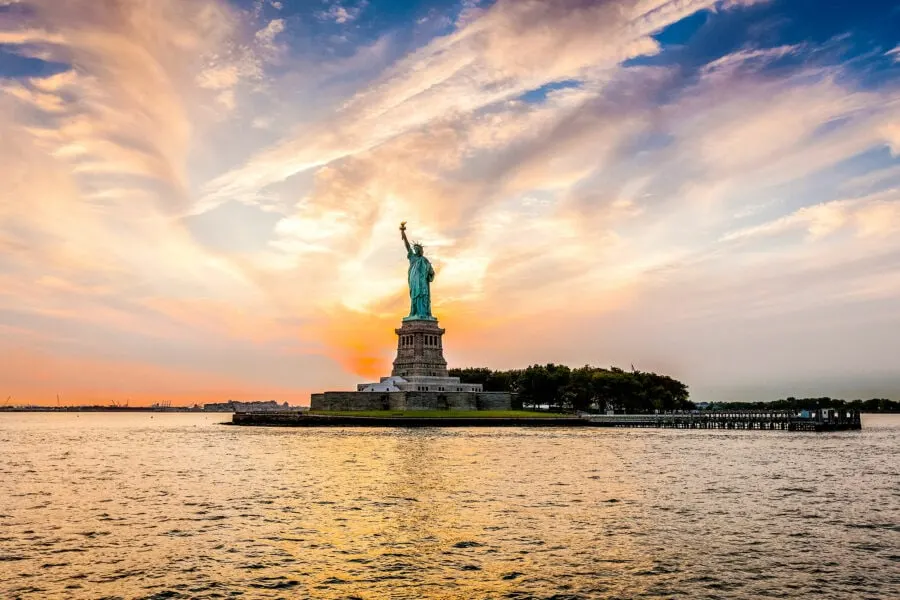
(421, 274)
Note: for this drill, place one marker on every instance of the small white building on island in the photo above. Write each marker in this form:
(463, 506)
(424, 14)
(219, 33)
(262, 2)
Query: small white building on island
(419, 383)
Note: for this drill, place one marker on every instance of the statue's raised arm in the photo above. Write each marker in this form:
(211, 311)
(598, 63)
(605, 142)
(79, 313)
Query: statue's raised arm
(403, 235)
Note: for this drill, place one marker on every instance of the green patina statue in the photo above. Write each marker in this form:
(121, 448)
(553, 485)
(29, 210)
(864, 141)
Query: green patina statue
(421, 274)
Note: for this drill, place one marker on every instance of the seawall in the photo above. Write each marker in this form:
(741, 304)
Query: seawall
(296, 419)
(819, 421)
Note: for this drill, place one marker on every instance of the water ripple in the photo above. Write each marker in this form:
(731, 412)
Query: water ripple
(124, 506)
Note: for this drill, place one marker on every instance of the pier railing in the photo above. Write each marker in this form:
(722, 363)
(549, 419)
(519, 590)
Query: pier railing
(787, 420)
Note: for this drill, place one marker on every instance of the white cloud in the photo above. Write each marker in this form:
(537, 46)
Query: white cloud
(341, 14)
(895, 52)
(219, 77)
(736, 3)
(265, 37)
(238, 64)
(877, 215)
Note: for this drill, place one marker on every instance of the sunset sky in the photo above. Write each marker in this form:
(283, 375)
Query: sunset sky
(200, 199)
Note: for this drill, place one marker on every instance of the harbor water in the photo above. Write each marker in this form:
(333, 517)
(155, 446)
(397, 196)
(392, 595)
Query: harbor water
(166, 505)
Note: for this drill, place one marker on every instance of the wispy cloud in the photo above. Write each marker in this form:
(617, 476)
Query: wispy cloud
(895, 53)
(495, 58)
(877, 216)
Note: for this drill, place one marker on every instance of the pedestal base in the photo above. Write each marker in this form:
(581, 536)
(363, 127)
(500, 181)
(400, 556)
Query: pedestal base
(418, 381)
(420, 349)
(355, 401)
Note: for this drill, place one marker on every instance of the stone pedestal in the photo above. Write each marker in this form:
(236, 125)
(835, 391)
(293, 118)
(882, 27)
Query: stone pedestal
(418, 381)
(420, 350)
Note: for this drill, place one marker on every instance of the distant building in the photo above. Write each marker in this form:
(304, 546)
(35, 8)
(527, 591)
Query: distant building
(235, 406)
(419, 384)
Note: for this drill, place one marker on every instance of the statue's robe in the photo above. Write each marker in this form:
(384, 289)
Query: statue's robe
(421, 274)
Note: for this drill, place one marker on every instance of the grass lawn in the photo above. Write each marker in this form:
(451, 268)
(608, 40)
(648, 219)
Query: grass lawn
(507, 414)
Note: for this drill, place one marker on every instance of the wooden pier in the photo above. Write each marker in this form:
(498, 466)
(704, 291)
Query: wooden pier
(784, 420)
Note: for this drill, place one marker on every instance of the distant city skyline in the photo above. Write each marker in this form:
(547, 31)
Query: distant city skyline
(200, 198)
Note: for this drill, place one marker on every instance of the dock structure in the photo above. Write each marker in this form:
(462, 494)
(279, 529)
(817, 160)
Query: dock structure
(304, 419)
(784, 420)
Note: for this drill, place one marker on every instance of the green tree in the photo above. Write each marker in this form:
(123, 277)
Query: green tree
(585, 388)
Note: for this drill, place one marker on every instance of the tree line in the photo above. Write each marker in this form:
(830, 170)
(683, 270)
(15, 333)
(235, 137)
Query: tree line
(595, 389)
(587, 388)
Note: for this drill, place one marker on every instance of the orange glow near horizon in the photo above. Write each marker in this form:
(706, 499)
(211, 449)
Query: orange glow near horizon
(38, 379)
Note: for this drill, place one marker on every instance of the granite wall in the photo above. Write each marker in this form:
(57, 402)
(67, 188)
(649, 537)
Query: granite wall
(411, 401)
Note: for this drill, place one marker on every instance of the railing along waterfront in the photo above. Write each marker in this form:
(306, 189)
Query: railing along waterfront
(786, 420)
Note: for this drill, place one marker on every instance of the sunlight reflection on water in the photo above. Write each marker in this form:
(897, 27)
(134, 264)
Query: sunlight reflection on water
(178, 506)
